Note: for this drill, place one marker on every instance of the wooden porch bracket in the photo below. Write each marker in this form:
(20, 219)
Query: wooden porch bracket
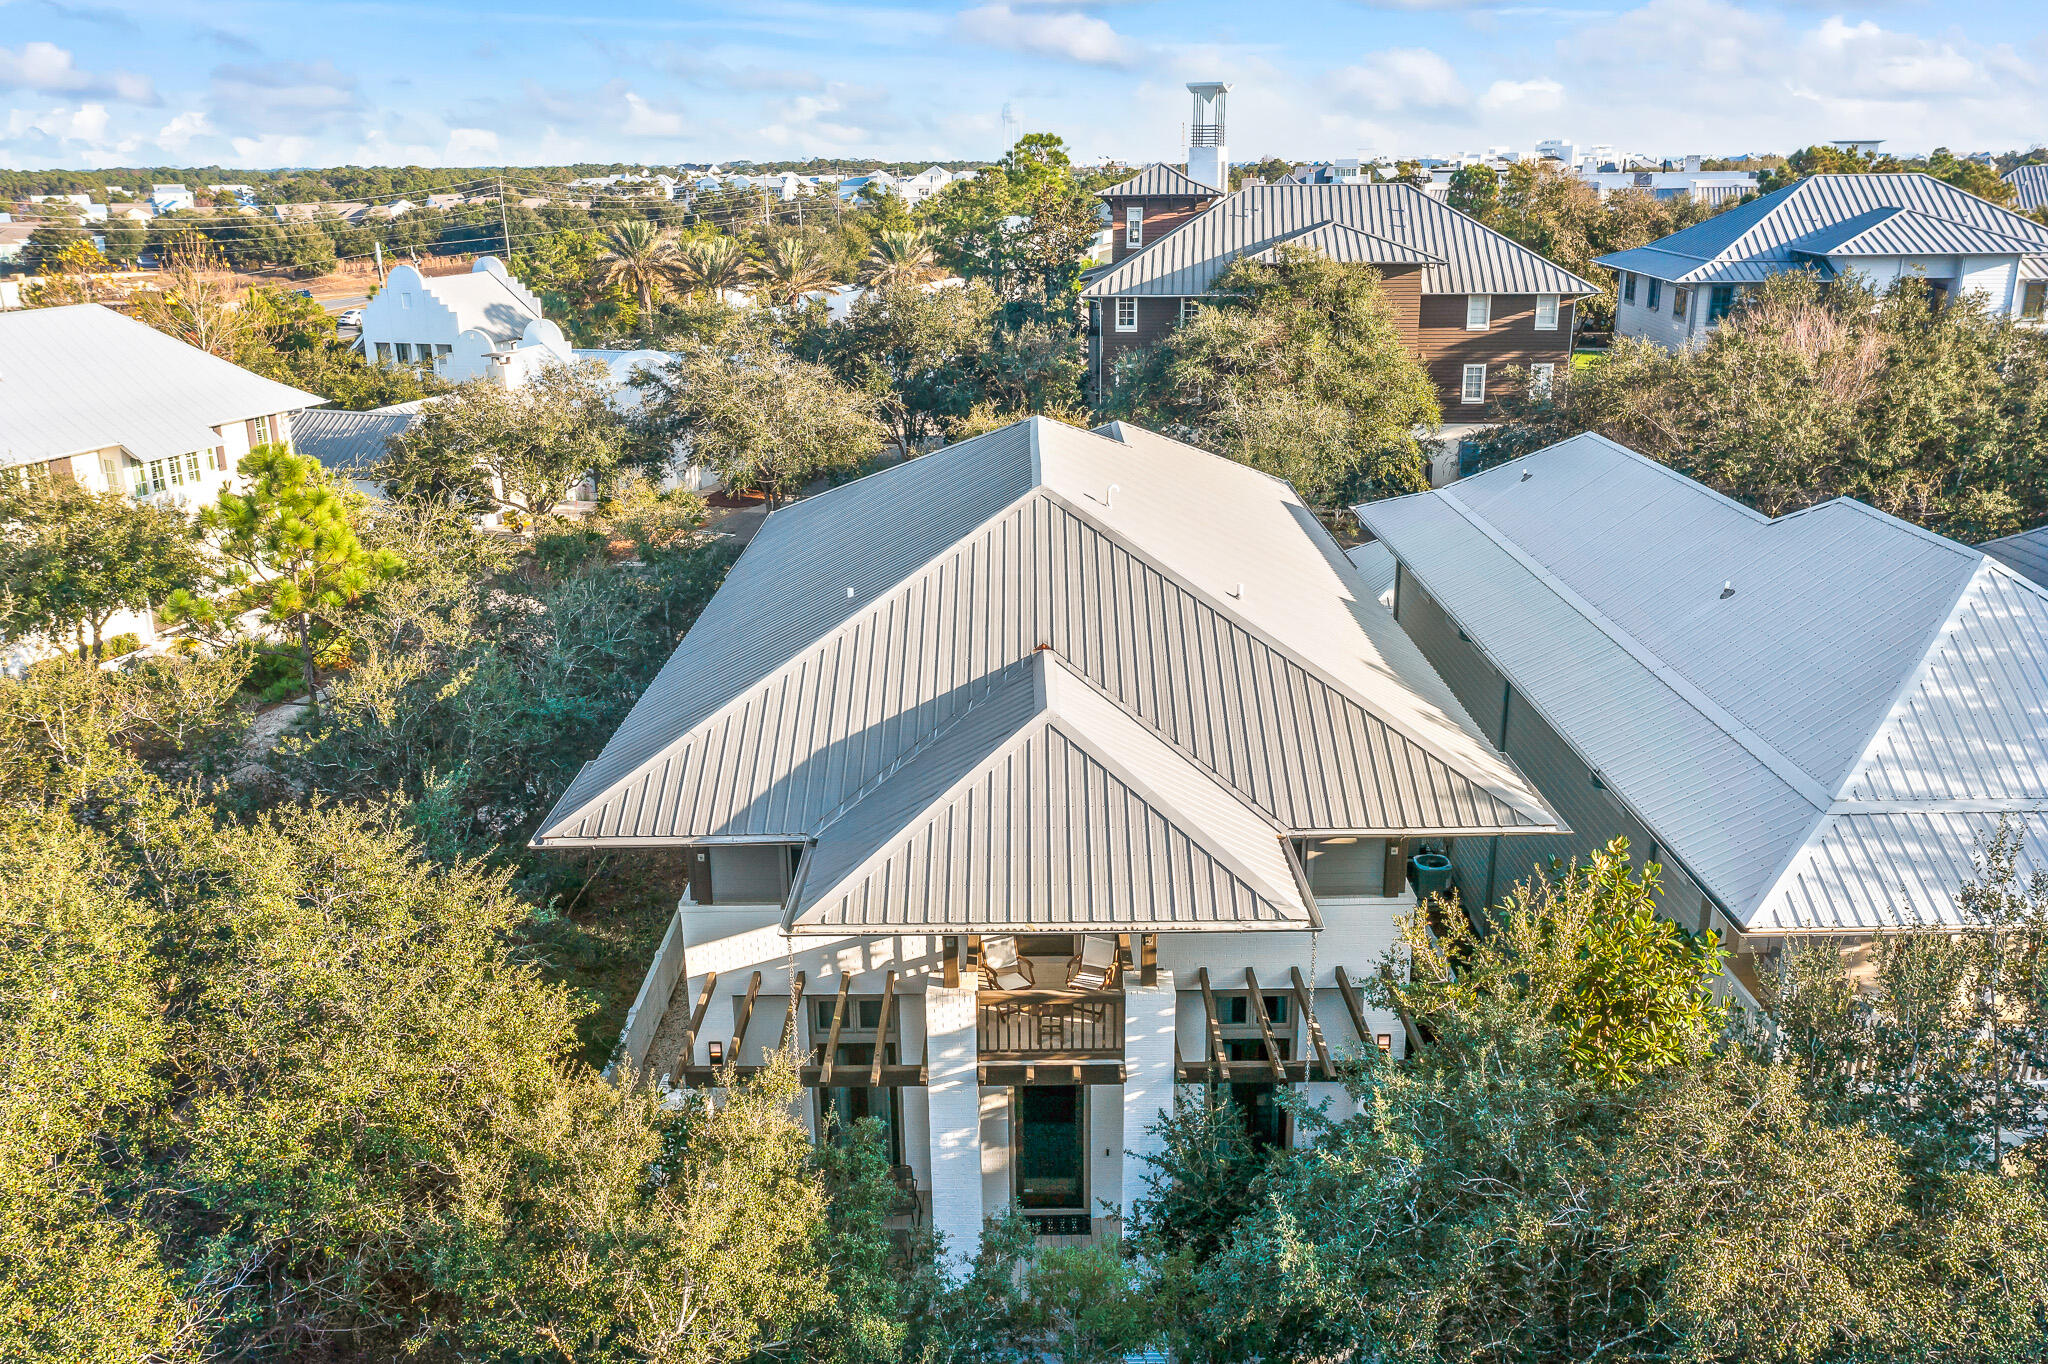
(1215, 1028)
(796, 999)
(950, 955)
(882, 1030)
(739, 1028)
(1305, 1000)
(831, 1056)
(1408, 1027)
(1351, 1007)
(1251, 980)
(697, 1019)
(1148, 960)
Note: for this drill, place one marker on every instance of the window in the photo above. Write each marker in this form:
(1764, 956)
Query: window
(159, 474)
(2034, 300)
(1628, 286)
(1127, 314)
(405, 352)
(259, 431)
(1546, 312)
(1539, 380)
(1720, 300)
(383, 352)
(444, 350)
(1681, 302)
(1134, 227)
(1188, 308)
(1473, 390)
(1656, 288)
(1478, 312)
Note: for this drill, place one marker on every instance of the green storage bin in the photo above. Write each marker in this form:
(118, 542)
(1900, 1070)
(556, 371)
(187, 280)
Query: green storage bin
(1430, 874)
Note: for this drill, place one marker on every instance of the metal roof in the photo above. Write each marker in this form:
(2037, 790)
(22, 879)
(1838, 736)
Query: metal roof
(1349, 245)
(2029, 185)
(1761, 237)
(1201, 594)
(1904, 232)
(484, 298)
(1472, 258)
(84, 378)
(346, 442)
(1044, 804)
(1159, 181)
(1765, 695)
(2025, 553)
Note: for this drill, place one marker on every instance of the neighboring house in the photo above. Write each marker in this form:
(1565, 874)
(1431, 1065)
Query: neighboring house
(853, 186)
(14, 239)
(244, 195)
(1879, 228)
(482, 324)
(1022, 784)
(351, 445)
(2026, 553)
(91, 397)
(170, 198)
(1812, 723)
(927, 182)
(2029, 186)
(1713, 188)
(1470, 303)
(349, 211)
(88, 210)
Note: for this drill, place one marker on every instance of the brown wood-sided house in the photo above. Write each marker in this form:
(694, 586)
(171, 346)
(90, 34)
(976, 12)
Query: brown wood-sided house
(1473, 304)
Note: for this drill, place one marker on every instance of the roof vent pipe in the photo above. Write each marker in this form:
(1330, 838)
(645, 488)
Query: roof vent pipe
(849, 594)
(1727, 590)
(1110, 496)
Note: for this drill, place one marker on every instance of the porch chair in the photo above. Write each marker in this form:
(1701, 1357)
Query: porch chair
(1004, 968)
(1095, 964)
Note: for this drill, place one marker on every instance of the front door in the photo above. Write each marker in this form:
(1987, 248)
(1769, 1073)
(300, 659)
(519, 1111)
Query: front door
(1052, 1148)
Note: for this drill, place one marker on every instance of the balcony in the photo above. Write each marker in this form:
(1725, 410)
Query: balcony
(1050, 1036)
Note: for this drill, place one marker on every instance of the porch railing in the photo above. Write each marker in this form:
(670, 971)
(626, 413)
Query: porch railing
(1044, 1025)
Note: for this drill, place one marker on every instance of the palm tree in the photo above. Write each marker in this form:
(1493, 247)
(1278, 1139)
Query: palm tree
(710, 265)
(901, 257)
(641, 254)
(795, 266)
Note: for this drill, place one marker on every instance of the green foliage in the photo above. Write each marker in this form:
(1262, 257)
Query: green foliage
(914, 351)
(1296, 368)
(1021, 226)
(762, 419)
(71, 558)
(1975, 177)
(493, 447)
(292, 557)
(1812, 390)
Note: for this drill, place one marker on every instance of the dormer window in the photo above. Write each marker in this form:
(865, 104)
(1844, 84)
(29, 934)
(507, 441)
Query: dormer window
(1134, 227)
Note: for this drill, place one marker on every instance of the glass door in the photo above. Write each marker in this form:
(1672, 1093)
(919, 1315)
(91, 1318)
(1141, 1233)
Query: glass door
(1051, 1148)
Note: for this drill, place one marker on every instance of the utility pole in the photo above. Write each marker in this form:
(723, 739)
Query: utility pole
(377, 249)
(504, 228)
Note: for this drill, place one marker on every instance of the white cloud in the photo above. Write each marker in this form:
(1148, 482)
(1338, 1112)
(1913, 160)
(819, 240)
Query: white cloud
(644, 120)
(268, 93)
(1539, 96)
(1874, 63)
(465, 144)
(1401, 80)
(1064, 33)
(176, 135)
(272, 149)
(49, 69)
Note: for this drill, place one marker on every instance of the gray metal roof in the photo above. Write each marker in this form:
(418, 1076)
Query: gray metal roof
(2025, 553)
(1473, 258)
(1160, 181)
(1200, 594)
(1045, 804)
(1352, 247)
(84, 378)
(1766, 235)
(2029, 185)
(344, 442)
(1862, 678)
(1904, 232)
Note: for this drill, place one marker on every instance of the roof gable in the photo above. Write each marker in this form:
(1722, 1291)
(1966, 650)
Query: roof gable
(1468, 256)
(1349, 245)
(1159, 181)
(1044, 804)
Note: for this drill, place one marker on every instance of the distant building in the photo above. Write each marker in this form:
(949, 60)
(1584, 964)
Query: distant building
(1880, 228)
(483, 324)
(2029, 186)
(170, 198)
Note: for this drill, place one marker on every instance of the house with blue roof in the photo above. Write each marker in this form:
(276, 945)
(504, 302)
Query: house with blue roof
(1879, 228)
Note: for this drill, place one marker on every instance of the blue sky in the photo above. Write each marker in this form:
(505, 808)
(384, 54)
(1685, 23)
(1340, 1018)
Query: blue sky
(269, 82)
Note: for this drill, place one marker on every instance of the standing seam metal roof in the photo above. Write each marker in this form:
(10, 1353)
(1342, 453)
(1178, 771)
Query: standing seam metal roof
(1779, 701)
(1159, 181)
(832, 654)
(1473, 258)
(2025, 553)
(1761, 237)
(2030, 186)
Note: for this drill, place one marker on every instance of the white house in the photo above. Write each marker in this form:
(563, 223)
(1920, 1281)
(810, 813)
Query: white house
(91, 397)
(243, 195)
(1022, 785)
(483, 324)
(169, 198)
(927, 182)
(88, 211)
(1878, 228)
(1813, 722)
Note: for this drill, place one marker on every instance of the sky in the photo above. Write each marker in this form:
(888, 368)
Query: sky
(267, 83)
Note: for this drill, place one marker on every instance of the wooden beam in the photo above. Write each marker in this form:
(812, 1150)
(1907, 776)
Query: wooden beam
(831, 1057)
(1251, 980)
(697, 1019)
(1148, 960)
(796, 999)
(1215, 1028)
(952, 959)
(882, 1030)
(739, 1030)
(1408, 1028)
(1351, 1007)
(1305, 1000)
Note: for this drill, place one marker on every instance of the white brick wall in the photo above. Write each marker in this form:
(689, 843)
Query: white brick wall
(953, 1108)
(1148, 1082)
